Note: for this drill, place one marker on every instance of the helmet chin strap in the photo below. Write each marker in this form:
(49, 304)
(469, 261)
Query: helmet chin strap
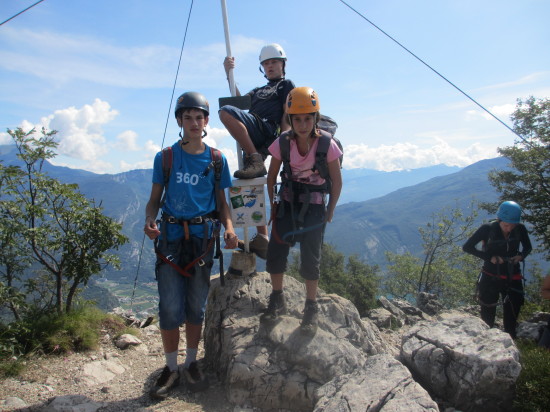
(183, 142)
(284, 73)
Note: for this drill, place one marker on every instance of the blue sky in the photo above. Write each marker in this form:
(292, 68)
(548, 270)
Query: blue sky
(101, 73)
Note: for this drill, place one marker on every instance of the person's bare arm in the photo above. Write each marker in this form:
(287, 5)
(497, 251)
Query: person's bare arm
(229, 64)
(335, 174)
(152, 210)
(225, 217)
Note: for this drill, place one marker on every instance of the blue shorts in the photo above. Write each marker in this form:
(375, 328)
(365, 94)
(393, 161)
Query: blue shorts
(261, 132)
(182, 299)
(311, 242)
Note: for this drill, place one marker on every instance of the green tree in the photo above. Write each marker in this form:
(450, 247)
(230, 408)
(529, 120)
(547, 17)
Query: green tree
(443, 269)
(66, 235)
(528, 182)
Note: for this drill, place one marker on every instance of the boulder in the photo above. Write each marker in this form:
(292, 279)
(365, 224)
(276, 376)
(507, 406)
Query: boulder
(384, 384)
(383, 318)
(530, 330)
(429, 303)
(275, 365)
(459, 359)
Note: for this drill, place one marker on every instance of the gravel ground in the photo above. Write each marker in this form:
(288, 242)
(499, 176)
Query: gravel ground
(51, 376)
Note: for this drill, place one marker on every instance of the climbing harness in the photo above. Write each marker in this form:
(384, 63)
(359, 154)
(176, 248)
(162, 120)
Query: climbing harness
(509, 276)
(192, 257)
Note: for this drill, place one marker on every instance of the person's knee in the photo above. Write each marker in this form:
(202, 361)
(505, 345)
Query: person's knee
(223, 114)
(226, 117)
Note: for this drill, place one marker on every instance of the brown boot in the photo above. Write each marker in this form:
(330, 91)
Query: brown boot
(257, 245)
(253, 167)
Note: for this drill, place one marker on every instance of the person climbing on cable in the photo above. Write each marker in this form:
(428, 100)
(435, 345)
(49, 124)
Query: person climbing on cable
(257, 128)
(501, 272)
(310, 159)
(189, 179)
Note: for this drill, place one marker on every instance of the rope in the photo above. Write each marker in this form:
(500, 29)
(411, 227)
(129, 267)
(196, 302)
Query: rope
(435, 71)
(177, 72)
(137, 274)
(21, 12)
(163, 137)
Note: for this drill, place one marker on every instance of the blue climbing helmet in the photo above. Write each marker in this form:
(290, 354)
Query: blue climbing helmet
(509, 212)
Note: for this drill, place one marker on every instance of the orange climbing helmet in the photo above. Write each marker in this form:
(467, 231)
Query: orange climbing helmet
(302, 100)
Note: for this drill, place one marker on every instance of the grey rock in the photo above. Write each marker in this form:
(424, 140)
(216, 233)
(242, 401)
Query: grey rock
(384, 319)
(276, 366)
(428, 303)
(72, 403)
(384, 384)
(459, 359)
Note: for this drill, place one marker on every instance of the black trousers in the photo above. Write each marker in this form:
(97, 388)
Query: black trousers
(490, 288)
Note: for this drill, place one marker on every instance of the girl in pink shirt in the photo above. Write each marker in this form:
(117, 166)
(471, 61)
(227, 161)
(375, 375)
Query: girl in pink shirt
(300, 210)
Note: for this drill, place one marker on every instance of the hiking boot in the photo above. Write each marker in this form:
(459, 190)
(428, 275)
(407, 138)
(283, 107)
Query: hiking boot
(196, 380)
(275, 307)
(253, 167)
(257, 245)
(310, 318)
(167, 381)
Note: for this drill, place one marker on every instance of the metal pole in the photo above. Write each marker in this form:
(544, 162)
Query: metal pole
(233, 90)
(232, 87)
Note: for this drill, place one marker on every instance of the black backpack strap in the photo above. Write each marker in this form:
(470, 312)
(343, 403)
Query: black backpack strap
(286, 172)
(321, 164)
(167, 160)
(218, 166)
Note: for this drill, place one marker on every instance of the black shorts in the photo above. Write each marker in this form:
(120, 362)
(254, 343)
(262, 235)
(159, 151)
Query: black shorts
(285, 234)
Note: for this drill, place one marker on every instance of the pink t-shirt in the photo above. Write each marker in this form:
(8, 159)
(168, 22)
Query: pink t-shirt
(302, 165)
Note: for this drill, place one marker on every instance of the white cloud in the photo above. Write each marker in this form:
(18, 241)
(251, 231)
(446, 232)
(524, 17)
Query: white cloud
(502, 112)
(144, 164)
(127, 140)
(80, 133)
(410, 156)
(62, 57)
(216, 134)
(5, 138)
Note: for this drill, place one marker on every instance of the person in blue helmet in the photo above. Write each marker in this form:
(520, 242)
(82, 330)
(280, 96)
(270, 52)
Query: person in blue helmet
(504, 244)
(192, 208)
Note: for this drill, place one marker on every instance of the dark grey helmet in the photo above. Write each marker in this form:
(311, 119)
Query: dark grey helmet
(192, 100)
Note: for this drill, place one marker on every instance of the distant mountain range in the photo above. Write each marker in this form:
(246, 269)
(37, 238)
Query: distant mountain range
(390, 223)
(379, 211)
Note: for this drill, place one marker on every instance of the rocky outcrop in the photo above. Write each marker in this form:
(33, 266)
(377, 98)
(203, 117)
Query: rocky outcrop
(347, 365)
(383, 384)
(459, 359)
(277, 366)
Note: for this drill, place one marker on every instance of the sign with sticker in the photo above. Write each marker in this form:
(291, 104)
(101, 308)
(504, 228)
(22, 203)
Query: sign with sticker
(247, 202)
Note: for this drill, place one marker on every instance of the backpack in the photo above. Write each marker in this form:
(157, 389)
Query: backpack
(329, 125)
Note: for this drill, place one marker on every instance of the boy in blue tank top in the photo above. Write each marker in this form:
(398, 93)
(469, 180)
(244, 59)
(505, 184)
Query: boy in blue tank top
(193, 207)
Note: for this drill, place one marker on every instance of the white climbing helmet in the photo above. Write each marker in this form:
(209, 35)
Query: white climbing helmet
(272, 51)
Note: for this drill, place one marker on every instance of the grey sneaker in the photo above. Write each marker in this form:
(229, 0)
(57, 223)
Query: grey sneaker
(257, 245)
(195, 378)
(167, 381)
(253, 167)
(275, 307)
(310, 318)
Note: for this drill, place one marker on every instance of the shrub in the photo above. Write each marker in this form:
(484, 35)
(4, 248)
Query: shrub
(533, 386)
